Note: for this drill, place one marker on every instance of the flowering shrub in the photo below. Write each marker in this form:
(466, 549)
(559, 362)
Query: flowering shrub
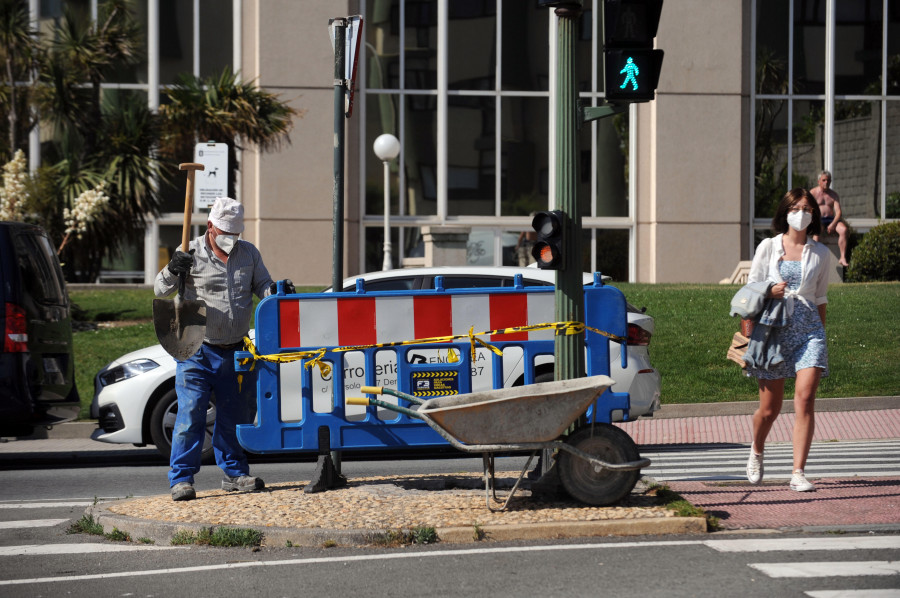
(85, 210)
(12, 193)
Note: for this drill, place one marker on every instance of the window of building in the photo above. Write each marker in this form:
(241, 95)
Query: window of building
(195, 37)
(813, 111)
(477, 140)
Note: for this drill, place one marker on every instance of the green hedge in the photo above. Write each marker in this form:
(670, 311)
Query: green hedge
(877, 257)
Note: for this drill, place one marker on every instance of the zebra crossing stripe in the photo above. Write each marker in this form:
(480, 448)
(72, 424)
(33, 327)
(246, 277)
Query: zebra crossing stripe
(828, 569)
(27, 524)
(48, 549)
(827, 460)
(794, 544)
(891, 593)
(45, 505)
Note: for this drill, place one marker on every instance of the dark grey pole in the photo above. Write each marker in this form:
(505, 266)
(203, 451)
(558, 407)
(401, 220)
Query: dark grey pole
(340, 33)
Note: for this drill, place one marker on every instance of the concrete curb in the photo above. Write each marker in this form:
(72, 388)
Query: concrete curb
(575, 529)
(162, 532)
(684, 410)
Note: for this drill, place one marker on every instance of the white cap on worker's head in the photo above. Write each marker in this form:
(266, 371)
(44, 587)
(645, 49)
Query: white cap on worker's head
(227, 215)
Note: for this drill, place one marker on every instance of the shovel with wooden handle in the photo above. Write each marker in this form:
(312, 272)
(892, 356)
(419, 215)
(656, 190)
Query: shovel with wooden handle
(181, 324)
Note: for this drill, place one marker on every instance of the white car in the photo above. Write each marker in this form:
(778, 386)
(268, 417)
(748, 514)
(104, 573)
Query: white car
(134, 396)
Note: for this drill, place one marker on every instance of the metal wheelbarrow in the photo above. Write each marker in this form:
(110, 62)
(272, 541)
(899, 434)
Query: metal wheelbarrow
(598, 464)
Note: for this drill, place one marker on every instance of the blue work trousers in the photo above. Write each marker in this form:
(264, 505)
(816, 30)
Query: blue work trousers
(210, 371)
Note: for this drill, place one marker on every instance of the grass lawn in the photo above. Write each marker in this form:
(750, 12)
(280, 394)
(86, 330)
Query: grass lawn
(693, 332)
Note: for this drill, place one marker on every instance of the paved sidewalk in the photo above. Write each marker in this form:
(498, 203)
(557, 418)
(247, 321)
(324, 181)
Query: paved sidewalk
(738, 429)
(842, 503)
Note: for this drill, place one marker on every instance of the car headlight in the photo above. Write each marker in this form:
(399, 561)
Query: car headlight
(126, 371)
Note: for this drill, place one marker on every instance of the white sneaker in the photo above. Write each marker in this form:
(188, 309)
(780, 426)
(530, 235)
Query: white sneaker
(799, 483)
(755, 468)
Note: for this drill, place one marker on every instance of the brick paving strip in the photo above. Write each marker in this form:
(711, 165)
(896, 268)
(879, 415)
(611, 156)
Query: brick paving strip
(830, 425)
(837, 502)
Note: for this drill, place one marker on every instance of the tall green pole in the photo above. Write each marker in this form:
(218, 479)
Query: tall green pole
(568, 350)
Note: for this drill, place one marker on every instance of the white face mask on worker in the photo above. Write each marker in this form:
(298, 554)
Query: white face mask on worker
(799, 220)
(226, 242)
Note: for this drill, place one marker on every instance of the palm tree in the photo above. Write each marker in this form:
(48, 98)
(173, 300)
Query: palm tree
(83, 52)
(100, 135)
(19, 47)
(224, 109)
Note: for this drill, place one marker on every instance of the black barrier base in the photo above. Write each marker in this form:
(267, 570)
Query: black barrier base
(327, 475)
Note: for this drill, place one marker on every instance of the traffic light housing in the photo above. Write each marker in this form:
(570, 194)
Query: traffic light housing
(547, 250)
(631, 65)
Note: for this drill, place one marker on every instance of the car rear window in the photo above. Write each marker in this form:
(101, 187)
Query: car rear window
(485, 282)
(388, 284)
(469, 282)
(40, 271)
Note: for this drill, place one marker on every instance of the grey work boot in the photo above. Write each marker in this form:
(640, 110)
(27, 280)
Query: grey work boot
(244, 483)
(183, 491)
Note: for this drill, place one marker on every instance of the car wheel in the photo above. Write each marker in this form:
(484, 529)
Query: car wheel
(162, 422)
(586, 483)
(545, 377)
(542, 377)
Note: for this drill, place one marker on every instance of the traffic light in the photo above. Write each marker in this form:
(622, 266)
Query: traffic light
(547, 250)
(631, 65)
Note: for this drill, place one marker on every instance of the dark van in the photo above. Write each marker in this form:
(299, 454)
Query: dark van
(37, 383)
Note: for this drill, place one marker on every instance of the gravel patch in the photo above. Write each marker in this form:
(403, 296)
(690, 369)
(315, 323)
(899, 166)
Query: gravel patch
(380, 503)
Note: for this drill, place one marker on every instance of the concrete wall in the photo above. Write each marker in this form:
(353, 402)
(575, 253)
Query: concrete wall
(289, 193)
(692, 171)
(857, 161)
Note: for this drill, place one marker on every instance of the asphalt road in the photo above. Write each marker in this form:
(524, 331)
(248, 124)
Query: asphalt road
(38, 557)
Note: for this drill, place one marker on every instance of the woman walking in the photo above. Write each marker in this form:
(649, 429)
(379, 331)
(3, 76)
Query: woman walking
(798, 268)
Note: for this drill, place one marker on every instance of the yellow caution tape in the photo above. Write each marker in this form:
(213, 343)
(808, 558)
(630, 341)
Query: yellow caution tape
(315, 356)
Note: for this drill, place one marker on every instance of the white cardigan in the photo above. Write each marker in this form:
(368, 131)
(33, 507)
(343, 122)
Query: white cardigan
(814, 263)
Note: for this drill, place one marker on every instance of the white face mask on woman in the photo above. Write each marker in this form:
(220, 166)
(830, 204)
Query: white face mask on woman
(226, 242)
(799, 220)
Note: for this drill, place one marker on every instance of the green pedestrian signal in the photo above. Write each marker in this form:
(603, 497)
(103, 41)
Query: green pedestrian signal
(631, 72)
(631, 65)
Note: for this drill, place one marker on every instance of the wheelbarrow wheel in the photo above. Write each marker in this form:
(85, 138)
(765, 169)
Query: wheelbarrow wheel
(597, 486)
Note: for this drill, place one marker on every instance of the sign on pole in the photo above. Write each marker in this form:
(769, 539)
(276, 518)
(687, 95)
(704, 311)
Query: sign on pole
(352, 39)
(212, 182)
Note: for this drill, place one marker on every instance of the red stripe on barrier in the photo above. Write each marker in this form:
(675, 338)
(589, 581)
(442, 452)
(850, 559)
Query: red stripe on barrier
(433, 316)
(289, 323)
(508, 311)
(356, 321)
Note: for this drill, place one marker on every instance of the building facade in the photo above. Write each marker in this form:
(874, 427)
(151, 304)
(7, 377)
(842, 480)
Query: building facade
(755, 97)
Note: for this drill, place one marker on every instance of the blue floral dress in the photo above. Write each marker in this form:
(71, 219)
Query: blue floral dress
(803, 340)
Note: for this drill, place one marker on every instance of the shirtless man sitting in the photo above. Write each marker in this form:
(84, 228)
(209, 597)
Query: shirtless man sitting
(830, 208)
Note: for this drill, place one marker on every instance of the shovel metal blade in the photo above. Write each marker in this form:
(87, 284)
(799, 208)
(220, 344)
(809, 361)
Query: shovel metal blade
(180, 325)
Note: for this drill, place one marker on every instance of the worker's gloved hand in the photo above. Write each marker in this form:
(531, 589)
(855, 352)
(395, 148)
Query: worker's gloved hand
(181, 262)
(288, 287)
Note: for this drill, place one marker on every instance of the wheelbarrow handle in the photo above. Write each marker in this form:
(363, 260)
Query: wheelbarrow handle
(382, 404)
(380, 390)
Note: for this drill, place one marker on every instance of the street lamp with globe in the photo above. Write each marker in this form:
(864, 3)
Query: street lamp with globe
(387, 147)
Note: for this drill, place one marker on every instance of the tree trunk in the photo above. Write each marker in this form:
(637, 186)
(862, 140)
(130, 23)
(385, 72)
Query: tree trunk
(12, 116)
